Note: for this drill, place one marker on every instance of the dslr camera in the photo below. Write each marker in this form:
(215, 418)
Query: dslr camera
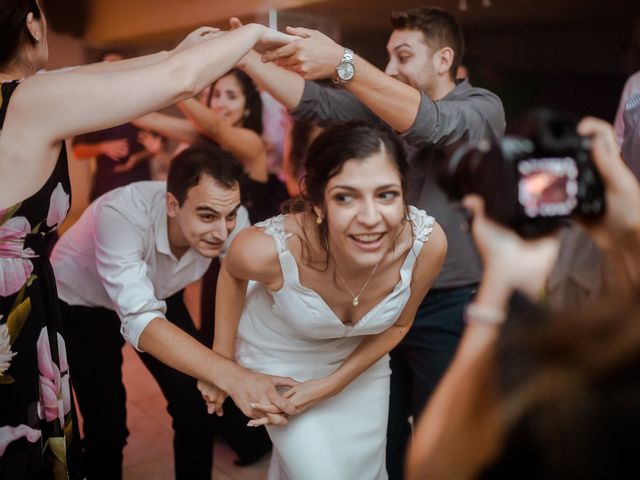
(531, 184)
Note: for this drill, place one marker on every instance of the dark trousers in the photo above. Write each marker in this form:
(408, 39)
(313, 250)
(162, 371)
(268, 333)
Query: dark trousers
(94, 348)
(418, 363)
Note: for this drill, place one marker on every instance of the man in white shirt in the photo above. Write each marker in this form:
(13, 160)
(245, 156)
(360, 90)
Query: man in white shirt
(120, 271)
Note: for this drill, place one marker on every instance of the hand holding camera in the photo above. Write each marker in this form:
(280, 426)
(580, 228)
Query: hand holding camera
(530, 184)
(510, 261)
(620, 226)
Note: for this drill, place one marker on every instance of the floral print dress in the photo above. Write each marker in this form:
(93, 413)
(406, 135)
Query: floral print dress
(37, 422)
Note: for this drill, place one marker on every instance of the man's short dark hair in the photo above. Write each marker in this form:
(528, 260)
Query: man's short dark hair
(191, 164)
(439, 27)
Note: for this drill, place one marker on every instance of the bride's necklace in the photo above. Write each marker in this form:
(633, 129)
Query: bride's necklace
(356, 298)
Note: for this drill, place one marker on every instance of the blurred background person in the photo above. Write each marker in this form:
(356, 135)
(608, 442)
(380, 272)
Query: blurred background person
(120, 157)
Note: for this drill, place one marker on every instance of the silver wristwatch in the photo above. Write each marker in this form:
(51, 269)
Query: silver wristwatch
(345, 69)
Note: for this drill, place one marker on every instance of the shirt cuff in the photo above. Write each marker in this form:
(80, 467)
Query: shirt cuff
(133, 325)
(307, 101)
(425, 122)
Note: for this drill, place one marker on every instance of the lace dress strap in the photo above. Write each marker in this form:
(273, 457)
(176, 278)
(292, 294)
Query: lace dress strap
(274, 226)
(421, 222)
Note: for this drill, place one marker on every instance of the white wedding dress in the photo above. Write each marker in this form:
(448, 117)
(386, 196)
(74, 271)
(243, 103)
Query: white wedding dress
(293, 332)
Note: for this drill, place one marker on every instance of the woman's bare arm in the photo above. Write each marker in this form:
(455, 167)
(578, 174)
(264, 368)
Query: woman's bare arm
(245, 144)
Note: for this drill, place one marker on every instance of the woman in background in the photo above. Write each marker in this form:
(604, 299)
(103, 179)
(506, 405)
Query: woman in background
(233, 119)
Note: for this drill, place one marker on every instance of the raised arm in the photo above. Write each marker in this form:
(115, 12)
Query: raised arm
(178, 129)
(305, 99)
(426, 121)
(193, 38)
(316, 57)
(92, 101)
(245, 144)
(114, 149)
(283, 85)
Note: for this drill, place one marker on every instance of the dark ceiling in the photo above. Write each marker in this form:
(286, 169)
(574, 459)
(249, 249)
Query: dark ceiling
(597, 27)
(573, 54)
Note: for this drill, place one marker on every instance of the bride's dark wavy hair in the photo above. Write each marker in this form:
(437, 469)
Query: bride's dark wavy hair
(327, 155)
(13, 17)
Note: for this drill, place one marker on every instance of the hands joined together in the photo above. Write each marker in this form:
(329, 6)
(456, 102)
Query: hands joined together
(309, 53)
(259, 396)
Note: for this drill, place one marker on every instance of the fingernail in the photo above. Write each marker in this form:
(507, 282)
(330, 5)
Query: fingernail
(250, 424)
(253, 405)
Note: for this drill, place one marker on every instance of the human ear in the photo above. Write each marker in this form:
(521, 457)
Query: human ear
(444, 60)
(172, 205)
(318, 211)
(34, 26)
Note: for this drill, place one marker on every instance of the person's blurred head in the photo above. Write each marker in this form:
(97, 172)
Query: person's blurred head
(575, 408)
(203, 197)
(425, 49)
(23, 36)
(236, 98)
(356, 183)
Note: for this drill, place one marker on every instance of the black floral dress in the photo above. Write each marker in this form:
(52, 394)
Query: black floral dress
(38, 438)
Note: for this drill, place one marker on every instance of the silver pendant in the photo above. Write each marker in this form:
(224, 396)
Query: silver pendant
(355, 302)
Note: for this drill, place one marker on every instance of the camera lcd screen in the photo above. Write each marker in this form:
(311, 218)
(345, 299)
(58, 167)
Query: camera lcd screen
(547, 187)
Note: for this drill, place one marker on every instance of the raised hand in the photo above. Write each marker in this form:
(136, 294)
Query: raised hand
(115, 149)
(152, 144)
(621, 220)
(313, 55)
(197, 36)
(271, 39)
(235, 23)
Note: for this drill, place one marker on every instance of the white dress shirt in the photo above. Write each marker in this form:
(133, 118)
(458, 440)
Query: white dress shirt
(117, 256)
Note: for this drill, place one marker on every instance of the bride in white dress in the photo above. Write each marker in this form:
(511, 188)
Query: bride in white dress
(337, 285)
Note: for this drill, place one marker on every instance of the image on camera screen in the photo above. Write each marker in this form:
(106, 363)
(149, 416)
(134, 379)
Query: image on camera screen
(548, 187)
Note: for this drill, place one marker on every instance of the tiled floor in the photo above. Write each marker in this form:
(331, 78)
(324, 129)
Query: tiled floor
(149, 453)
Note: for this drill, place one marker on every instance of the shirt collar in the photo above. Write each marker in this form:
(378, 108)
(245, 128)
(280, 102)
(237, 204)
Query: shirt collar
(462, 87)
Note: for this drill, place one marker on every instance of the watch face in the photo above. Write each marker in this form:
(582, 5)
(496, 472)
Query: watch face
(345, 71)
